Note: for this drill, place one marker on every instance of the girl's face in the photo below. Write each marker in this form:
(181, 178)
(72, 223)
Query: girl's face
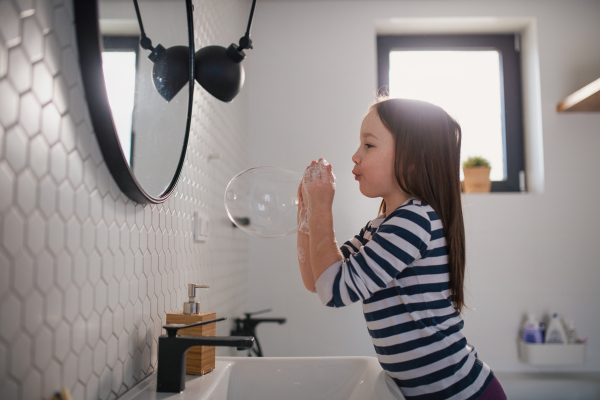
(374, 159)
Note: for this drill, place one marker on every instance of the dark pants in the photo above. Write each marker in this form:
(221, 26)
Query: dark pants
(494, 391)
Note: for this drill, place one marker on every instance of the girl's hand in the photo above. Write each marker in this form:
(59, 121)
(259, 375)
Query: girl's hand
(318, 184)
(301, 204)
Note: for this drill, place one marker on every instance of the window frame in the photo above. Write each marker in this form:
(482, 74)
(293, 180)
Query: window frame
(508, 46)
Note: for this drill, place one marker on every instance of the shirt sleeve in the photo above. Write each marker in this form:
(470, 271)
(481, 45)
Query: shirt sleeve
(400, 240)
(353, 245)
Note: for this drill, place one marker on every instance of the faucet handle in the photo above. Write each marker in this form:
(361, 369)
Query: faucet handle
(173, 328)
(249, 314)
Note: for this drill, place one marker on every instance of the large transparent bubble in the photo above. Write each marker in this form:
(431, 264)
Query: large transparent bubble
(263, 201)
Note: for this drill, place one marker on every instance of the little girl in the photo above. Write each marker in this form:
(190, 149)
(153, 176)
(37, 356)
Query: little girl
(407, 265)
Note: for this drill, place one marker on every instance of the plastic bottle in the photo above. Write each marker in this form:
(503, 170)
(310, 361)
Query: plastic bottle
(571, 334)
(555, 333)
(531, 330)
(543, 330)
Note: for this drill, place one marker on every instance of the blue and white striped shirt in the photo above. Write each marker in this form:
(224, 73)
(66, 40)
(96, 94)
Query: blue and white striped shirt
(398, 267)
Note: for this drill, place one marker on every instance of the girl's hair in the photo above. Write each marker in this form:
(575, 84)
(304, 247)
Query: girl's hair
(427, 167)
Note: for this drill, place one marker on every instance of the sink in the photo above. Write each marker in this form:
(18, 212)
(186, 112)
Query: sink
(281, 378)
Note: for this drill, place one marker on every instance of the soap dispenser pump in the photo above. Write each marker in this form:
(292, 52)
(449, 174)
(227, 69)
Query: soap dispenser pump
(200, 359)
(192, 307)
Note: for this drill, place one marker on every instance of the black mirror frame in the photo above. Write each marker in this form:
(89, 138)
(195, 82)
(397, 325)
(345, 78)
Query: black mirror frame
(89, 45)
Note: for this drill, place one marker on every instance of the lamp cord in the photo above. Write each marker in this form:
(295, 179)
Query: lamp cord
(145, 41)
(246, 42)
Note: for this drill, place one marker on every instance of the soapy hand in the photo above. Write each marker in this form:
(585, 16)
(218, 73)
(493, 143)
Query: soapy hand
(318, 184)
(315, 192)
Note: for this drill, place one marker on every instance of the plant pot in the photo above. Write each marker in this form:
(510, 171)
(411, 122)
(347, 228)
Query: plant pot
(477, 180)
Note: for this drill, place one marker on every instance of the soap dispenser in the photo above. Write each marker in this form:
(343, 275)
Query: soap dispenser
(200, 359)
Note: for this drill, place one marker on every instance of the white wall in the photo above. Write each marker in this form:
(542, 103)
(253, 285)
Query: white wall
(310, 79)
(87, 275)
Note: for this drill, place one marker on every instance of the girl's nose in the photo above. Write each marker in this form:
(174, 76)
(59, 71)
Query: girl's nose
(355, 158)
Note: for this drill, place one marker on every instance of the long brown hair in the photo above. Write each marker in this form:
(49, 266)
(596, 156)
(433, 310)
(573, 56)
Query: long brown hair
(427, 167)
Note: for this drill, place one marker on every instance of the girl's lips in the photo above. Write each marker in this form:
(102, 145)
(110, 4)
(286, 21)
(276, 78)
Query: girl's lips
(356, 176)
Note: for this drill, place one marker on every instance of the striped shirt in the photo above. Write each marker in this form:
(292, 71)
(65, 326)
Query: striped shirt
(398, 267)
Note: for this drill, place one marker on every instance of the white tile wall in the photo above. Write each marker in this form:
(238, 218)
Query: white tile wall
(86, 275)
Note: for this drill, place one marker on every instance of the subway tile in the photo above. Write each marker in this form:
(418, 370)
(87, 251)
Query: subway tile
(69, 370)
(9, 24)
(85, 364)
(34, 312)
(10, 318)
(7, 180)
(70, 67)
(23, 274)
(78, 331)
(51, 121)
(4, 276)
(36, 232)
(33, 39)
(3, 59)
(42, 350)
(53, 309)
(58, 162)
(29, 113)
(16, 147)
(27, 187)
(71, 303)
(38, 153)
(93, 329)
(13, 231)
(44, 266)
(19, 69)
(20, 358)
(48, 195)
(60, 97)
(62, 341)
(62, 26)
(43, 83)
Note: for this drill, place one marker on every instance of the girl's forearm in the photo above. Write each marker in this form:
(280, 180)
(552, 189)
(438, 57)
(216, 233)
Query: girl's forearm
(304, 261)
(324, 250)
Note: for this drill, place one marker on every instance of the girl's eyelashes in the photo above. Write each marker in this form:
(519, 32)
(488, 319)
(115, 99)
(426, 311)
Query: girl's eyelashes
(369, 146)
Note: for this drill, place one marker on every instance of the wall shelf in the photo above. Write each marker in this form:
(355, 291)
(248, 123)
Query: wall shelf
(585, 99)
(551, 354)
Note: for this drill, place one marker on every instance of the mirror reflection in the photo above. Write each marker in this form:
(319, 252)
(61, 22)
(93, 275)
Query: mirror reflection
(151, 130)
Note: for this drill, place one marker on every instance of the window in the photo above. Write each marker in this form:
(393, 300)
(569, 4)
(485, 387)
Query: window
(477, 80)
(119, 63)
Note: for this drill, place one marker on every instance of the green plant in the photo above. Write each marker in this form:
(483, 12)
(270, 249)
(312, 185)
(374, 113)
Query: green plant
(476, 161)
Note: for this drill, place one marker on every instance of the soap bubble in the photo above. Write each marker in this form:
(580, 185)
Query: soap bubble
(263, 201)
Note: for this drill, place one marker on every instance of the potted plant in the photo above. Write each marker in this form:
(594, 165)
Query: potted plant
(477, 175)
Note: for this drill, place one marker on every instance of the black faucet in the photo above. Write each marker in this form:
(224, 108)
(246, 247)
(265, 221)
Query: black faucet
(172, 350)
(247, 326)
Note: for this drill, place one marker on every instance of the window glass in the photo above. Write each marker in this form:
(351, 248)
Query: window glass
(467, 85)
(119, 75)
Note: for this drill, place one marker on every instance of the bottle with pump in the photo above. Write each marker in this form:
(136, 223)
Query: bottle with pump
(200, 359)
(555, 333)
(531, 330)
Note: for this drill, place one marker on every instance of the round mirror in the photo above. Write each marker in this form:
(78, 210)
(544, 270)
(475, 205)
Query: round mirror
(139, 92)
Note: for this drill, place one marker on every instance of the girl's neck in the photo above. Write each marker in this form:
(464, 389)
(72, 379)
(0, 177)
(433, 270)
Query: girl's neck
(394, 201)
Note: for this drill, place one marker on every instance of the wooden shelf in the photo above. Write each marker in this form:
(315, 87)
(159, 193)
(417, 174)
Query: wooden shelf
(585, 99)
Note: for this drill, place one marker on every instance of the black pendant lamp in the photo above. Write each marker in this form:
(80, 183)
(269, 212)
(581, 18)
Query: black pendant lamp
(219, 70)
(171, 67)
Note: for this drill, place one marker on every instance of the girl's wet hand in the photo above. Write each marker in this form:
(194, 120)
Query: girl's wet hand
(302, 206)
(319, 186)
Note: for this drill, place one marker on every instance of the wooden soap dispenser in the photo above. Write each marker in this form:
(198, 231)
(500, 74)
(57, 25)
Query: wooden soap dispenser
(200, 359)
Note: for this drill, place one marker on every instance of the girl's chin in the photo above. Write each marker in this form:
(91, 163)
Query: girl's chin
(365, 192)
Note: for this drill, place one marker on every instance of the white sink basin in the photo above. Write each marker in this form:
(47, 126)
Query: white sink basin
(281, 378)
